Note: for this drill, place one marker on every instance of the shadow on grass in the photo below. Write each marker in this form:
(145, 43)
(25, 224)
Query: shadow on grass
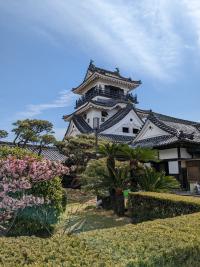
(100, 220)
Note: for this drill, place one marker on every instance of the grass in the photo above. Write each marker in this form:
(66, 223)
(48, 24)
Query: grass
(82, 208)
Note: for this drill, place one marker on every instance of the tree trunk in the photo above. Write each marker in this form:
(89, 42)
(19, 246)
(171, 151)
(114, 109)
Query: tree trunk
(120, 202)
(133, 180)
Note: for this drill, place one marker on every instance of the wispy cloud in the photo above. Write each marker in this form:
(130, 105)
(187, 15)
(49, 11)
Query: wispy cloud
(65, 99)
(133, 34)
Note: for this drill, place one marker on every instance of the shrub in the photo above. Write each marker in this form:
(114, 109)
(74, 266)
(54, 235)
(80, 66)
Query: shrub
(149, 205)
(25, 182)
(154, 181)
(171, 242)
(18, 152)
(42, 219)
(56, 251)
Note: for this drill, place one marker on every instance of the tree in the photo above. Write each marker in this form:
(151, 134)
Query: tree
(157, 181)
(78, 150)
(46, 140)
(111, 151)
(137, 156)
(98, 179)
(29, 131)
(3, 134)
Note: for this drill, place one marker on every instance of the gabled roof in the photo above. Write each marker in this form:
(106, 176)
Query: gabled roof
(102, 103)
(92, 68)
(117, 117)
(81, 124)
(94, 72)
(178, 131)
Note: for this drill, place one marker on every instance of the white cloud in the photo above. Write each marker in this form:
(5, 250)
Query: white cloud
(132, 34)
(65, 99)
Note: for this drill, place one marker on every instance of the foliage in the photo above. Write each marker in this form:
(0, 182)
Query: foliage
(148, 205)
(171, 242)
(55, 251)
(78, 150)
(38, 131)
(154, 181)
(97, 179)
(3, 134)
(18, 152)
(137, 157)
(17, 177)
(42, 219)
(165, 243)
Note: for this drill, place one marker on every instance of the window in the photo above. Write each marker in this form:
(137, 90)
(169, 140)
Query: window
(104, 114)
(102, 119)
(131, 119)
(88, 120)
(135, 131)
(125, 129)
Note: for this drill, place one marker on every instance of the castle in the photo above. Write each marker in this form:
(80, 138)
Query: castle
(108, 107)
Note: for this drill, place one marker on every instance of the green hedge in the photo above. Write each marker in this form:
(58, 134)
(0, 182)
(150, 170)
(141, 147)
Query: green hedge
(150, 205)
(172, 242)
(57, 251)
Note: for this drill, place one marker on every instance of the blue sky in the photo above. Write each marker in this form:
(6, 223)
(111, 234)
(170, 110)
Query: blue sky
(46, 46)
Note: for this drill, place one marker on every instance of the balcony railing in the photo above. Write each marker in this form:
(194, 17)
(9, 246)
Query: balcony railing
(118, 95)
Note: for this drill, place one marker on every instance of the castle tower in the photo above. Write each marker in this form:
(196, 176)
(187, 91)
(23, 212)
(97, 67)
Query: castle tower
(106, 100)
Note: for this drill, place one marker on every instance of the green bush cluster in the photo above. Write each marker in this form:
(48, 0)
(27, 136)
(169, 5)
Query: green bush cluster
(56, 251)
(171, 242)
(42, 219)
(150, 205)
(39, 219)
(18, 152)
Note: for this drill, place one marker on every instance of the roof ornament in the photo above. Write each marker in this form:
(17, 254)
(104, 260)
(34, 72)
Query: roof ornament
(117, 70)
(91, 65)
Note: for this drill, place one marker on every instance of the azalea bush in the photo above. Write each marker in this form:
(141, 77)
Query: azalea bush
(17, 178)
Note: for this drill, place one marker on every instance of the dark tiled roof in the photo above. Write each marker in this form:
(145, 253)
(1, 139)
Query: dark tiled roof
(81, 124)
(156, 141)
(115, 73)
(107, 102)
(179, 131)
(48, 152)
(116, 118)
(116, 138)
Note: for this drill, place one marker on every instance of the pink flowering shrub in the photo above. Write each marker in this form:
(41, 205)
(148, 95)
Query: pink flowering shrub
(18, 177)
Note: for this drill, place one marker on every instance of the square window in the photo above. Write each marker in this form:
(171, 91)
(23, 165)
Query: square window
(135, 131)
(104, 114)
(125, 129)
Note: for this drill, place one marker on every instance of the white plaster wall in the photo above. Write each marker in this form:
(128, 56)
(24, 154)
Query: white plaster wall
(125, 122)
(150, 130)
(93, 113)
(185, 154)
(173, 167)
(170, 153)
(73, 131)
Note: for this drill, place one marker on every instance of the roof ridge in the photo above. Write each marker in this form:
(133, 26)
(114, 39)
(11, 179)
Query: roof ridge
(81, 124)
(175, 119)
(161, 124)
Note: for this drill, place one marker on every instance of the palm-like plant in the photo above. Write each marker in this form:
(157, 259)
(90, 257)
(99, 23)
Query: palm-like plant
(136, 156)
(157, 181)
